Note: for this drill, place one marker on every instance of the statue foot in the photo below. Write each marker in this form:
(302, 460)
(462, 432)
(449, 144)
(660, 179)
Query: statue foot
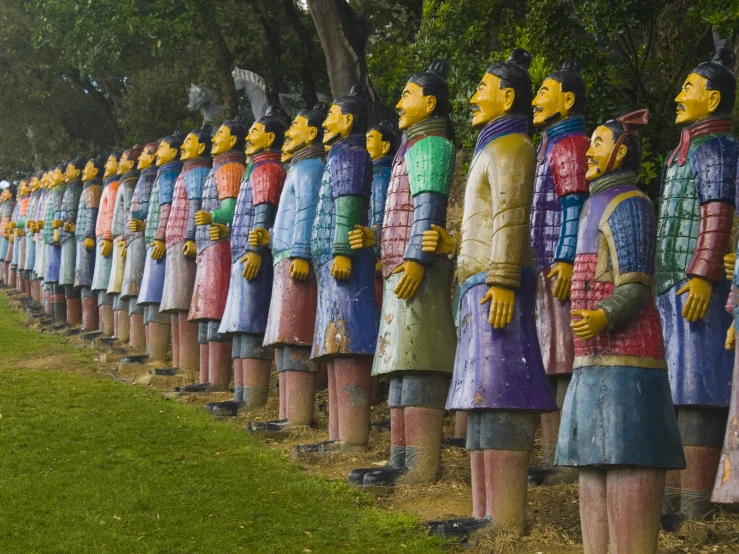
(92, 335)
(196, 388)
(136, 359)
(108, 341)
(383, 477)
(165, 371)
(547, 476)
(461, 528)
(671, 523)
(317, 448)
(274, 426)
(454, 442)
(229, 408)
(60, 326)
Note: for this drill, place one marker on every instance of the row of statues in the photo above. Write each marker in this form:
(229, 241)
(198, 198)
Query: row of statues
(325, 245)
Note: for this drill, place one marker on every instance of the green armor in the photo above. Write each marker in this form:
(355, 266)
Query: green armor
(430, 163)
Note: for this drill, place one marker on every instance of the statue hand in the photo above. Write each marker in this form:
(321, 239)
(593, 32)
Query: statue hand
(591, 324)
(10, 225)
(203, 218)
(361, 237)
(122, 246)
(299, 269)
(411, 279)
(699, 296)
(730, 338)
(252, 262)
(56, 223)
(189, 249)
(502, 301)
(136, 225)
(158, 252)
(378, 267)
(259, 237)
(55, 237)
(88, 243)
(107, 249)
(218, 231)
(19, 232)
(69, 227)
(28, 224)
(729, 263)
(31, 226)
(438, 241)
(39, 224)
(341, 268)
(563, 272)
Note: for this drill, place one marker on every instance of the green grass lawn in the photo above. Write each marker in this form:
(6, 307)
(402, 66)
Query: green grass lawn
(89, 465)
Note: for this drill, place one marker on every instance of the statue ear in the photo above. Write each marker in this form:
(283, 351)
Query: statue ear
(430, 104)
(232, 141)
(714, 99)
(312, 133)
(509, 97)
(270, 139)
(348, 121)
(174, 153)
(620, 155)
(569, 98)
(385, 147)
(201, 148)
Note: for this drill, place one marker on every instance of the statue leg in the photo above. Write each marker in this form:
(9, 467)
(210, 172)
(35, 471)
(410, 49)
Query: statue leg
(74, 305)
(219, 357)
(352, 386)
(256, 364)
(59, 303)
(550, 430)
(594, 510)
(189, 347)
(90, 312)
(460, 425)
(238, 368)
(333, 403)
(174, 326)
(137, 331)
(204, 354)
(282, 383)
(634, 505)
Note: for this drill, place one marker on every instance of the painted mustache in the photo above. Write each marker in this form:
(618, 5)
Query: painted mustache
(593, 161)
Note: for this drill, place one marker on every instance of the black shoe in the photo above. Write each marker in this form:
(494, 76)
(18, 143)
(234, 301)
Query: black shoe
(276, 425)
(356, 476)
(198, 387)
(136, 359)
(461, 528)
(229, 408)
(383, 477)
(166, 371)
(108, 341)
(317, 448)
(671, 523)
(92, 335)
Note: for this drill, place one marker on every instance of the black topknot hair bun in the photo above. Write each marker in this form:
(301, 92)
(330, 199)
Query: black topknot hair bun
(386, 126)
(520, 56)
(240, 118)
(572, 65)
(274, 111)
(207, 128)
(358, 90)
(440, 67)
(724, 57)
(179, 133)
(321, 107)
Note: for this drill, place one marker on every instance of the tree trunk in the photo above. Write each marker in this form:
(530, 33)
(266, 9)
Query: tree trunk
(274, 52)
(308, 83)
(222, 59)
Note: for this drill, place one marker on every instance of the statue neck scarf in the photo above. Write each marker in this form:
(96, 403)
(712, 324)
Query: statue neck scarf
(131, 174)
(431, 126)
(149, 170)
(312, 151)
(196, 162)
(384, 161)
(497, 128)
(567, 125)
(613, 179)
(354, 140)
(697, 129)
(111, 179)
(171, 166)
(234, 156)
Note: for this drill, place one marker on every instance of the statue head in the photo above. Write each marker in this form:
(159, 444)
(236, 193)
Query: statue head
(709, 90)
(382, 140)
(22, 187)
(128, 159)
(111, 165)
(169, 148)
(230, 136)
(505, 89)
(425, 95)
(198, 97)
(57, 175)
(267, 132)
(616, 145)
(306, 128)
(34, 183)
(562, 93)
(197, 144)
(74, 169)
(94, 168)
(148, 156)
(349, 114)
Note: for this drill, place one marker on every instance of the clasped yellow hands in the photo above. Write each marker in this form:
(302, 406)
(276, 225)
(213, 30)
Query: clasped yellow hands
(438, 240)
(69, 227)
(411, 279)
(699, 296)
(158, 252)
(56, 223)
(299, 269)
(730, 338)
(107, 248)
(563, 272)
(502, 301)
(218, 231)
(19, 232)
(136, 225)
(189, 249)
(124, 250)
(31, 227)
(592, 323)
(361, 237)
(203, 218)
(88, 243)
(729, 263)
(252, 262)
(341, 268)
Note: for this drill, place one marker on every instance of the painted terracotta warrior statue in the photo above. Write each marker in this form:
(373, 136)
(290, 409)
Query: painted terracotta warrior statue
(213, 275)
(32, 288)
(133, 244)
(104, 244)
(18, 260)
(179, 273)
(87, 215)
(693, 232)
(70, 204)
(6, 227)
(292, 309)
(250, 290)
(52, 229)
(41, 243)
(416, 342)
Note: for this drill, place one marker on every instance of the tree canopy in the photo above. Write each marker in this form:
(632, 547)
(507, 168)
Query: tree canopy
(87, 77)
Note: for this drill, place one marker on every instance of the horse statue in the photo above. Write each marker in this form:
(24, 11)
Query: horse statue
(201, 99)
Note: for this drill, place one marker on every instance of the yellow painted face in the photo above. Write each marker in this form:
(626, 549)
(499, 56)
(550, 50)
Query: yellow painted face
(90, 171)
(146, 159)
(223, 141)
(34, 184)
(165, 153)
(599, 153)
(490, 101)
(111, 167)
(125, 164)
(300, 135)
(695, 101)
(377, 147)
(337, 125)
(413, 106)
(71, 173)
(57, 177)
(258, 139)
(551, 104)
(192, 148)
